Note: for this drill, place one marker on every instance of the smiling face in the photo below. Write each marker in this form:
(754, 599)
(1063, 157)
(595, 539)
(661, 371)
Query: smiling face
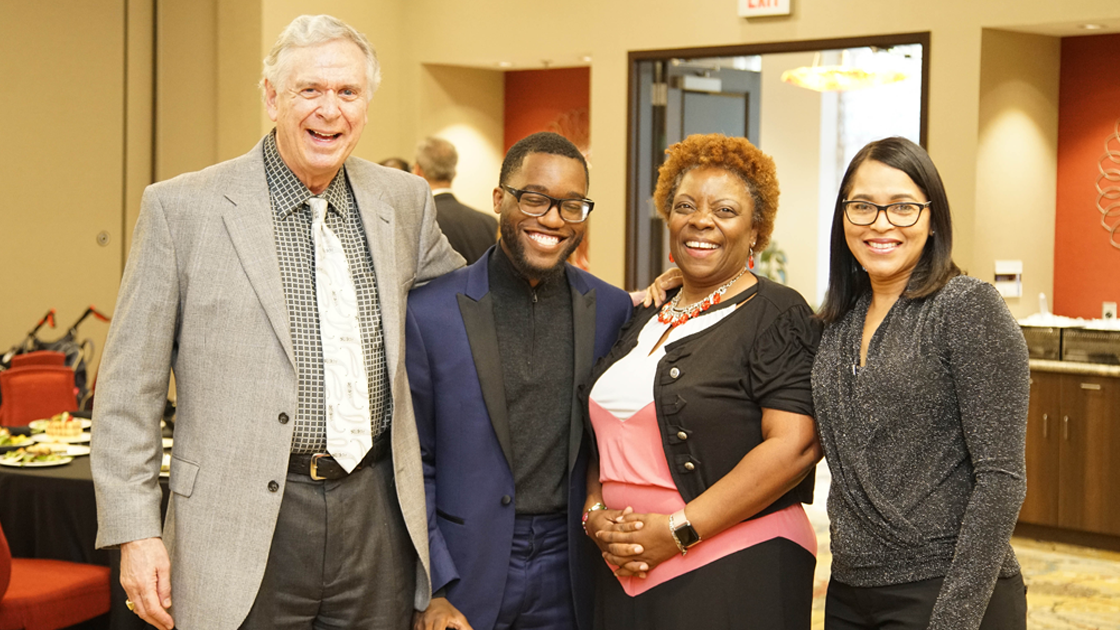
(538, 246)
(888, 253)
(320, 110)
(711, 227)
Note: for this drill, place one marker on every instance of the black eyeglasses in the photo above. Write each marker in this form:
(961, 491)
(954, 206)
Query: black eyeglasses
(899, 214)
(537, 204)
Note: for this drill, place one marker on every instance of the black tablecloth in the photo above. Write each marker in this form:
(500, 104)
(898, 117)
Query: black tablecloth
(51, 513)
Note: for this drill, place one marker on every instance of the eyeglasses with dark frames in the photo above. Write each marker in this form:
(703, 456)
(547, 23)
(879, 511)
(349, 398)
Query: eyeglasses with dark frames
(899, 214)
(536, 204)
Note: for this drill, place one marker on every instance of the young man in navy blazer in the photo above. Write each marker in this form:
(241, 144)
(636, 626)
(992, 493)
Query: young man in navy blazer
(494, 353)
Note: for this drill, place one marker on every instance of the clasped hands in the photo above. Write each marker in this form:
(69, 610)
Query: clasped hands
(634, 543)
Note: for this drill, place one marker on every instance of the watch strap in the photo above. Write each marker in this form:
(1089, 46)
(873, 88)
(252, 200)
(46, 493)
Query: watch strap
(684, 534)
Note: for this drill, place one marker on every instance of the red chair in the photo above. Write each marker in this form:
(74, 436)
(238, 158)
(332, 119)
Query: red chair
(49, 594)
(35, 391)
(39, 357)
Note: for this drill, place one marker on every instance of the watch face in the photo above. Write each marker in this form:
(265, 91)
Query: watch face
(687, 535)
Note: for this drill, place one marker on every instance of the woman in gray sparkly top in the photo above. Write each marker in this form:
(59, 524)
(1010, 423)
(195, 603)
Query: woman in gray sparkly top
(920, 387)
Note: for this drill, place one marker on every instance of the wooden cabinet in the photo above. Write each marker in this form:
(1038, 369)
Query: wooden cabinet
(1043, 420)
(1073, 453)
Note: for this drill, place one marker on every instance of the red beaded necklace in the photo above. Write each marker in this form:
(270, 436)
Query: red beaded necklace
(674, 314)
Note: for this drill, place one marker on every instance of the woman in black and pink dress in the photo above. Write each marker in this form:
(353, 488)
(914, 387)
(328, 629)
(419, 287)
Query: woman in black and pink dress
(703, 419)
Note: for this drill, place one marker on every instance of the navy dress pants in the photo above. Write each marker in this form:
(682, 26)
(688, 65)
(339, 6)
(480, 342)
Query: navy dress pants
(538, 592)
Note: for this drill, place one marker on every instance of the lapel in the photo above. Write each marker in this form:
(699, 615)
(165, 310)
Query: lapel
(477, 309)
(583, 334)
(377, 221)
(248, 220)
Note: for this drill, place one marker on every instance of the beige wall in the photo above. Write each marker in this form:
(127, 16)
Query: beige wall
(63, 163)
(464, 106)
(1016, 161)
(186, 85)
(790, 132)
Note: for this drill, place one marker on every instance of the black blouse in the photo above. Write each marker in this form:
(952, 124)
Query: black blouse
(711, 386)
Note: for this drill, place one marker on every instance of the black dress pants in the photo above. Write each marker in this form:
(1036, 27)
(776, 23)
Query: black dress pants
(909, 606)
(341, 557)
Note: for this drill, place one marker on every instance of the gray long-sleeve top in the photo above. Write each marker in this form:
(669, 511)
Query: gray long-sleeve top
(926, 445)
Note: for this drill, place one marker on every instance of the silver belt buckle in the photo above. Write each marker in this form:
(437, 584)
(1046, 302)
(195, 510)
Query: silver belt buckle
(315, 465)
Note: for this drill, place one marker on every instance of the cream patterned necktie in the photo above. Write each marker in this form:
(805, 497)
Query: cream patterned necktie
(345, 386)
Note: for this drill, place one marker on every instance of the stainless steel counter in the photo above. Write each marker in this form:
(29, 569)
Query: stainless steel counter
(1073, 367)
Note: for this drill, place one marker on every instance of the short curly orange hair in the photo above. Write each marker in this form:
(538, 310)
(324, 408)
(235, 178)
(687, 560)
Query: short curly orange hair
(735, 155)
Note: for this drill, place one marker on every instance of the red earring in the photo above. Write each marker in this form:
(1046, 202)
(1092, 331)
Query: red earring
(750, 259)
(671, 258)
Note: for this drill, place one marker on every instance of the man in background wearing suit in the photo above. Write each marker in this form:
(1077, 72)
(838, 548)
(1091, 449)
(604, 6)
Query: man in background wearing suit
(494, 354)
(274, 286)
(469, 231)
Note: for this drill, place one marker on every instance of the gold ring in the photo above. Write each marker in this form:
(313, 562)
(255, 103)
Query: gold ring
(128, 603)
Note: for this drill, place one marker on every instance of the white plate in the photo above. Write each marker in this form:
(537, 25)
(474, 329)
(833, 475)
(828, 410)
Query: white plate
(41, 425)
(43, 437)
(18, 464)
(77, 450)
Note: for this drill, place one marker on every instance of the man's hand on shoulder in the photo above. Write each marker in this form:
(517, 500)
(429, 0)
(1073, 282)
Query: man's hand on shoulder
(440, 614)
(146, 578)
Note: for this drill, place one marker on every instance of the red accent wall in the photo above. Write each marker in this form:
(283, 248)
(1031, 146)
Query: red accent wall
(557, 100)
(1086, 266)
(548, 100)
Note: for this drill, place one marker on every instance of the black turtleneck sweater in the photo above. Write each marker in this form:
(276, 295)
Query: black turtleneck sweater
(538, 357)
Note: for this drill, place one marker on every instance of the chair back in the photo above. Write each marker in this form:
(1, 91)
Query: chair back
(32, 392)
(5, 563)
(39, 357)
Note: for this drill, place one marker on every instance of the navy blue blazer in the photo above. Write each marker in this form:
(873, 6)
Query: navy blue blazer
(455, 372)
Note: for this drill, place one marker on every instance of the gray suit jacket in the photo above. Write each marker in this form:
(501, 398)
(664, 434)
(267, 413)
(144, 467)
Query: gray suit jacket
(202, 295)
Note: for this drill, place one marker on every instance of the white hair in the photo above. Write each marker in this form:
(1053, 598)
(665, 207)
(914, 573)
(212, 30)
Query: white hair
(312, 30)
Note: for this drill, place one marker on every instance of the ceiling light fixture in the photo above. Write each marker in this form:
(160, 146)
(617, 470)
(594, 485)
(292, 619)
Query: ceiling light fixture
(1091, 27)
(505, 64)
(839, 78)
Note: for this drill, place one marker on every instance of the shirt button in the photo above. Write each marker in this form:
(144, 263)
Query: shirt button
(283, 418)
(506, 500)
(675, 372)
(682, 435)
(689, 466)
(273, 486)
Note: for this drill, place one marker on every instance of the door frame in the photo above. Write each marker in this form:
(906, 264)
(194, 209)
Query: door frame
(634, 206)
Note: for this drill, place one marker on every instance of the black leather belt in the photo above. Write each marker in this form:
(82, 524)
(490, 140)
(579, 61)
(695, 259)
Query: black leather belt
(320, 466)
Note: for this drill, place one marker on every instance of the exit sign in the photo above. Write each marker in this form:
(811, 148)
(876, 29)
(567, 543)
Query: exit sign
(762, 8)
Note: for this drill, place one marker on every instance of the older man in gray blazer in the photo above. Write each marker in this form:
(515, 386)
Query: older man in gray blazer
(275, 521)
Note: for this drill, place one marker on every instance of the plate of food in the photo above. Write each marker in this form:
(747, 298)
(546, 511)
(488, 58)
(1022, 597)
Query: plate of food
(34, 456)
(10, 441)
(62, 448)
(61, 424)
(39, 426)
(80, 438)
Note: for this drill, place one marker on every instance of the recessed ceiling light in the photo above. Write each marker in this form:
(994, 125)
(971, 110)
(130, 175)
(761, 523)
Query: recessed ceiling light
(1091, 27)
(586, 58)
(505, 64)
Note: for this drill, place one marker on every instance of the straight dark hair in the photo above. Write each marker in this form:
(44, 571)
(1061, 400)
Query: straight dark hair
(847, 280)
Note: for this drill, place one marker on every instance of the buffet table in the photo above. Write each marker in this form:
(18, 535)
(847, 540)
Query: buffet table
(52, 513)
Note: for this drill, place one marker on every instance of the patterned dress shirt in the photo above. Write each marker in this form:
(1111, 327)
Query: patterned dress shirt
(295, 249)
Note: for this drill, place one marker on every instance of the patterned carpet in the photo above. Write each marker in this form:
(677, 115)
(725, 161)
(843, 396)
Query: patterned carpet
(1068, 587)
